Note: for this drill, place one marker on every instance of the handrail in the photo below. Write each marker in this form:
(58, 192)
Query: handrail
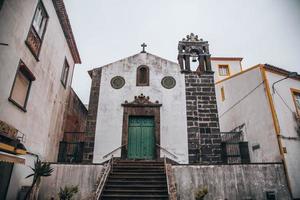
(105, 156)
(108, 168)
(166, 151)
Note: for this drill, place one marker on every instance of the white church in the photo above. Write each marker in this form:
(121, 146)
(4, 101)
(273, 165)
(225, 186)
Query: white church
(154, 132)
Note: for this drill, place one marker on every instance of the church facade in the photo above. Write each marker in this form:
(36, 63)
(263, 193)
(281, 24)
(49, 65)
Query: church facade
(146, 107)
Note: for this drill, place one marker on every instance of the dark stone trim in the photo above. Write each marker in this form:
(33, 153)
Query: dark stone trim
(141, 109)
(92, 116)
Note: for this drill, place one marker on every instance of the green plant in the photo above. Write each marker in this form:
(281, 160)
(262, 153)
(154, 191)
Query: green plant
(68, 192)
(40, 169)
(201, 193)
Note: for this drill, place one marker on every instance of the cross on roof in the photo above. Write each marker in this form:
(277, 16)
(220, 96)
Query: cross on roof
(144, 46)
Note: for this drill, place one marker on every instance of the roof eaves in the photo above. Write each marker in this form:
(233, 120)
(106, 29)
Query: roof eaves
(67, 29)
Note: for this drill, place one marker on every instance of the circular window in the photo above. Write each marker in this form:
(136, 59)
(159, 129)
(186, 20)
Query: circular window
(168, 82)
(117, 82)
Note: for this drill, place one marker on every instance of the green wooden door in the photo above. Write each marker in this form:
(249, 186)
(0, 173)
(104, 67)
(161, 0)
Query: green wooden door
(141, 142)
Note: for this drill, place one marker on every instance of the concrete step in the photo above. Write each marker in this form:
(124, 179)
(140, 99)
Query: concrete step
(133, 197)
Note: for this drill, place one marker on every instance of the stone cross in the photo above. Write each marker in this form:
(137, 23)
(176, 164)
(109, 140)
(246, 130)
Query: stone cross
(144, 46)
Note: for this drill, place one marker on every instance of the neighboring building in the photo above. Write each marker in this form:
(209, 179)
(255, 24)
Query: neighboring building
(71, 147)
(225, 67)
(37, 57)
(264, 103)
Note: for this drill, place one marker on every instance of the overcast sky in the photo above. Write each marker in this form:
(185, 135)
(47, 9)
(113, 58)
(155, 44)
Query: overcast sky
(260, 31)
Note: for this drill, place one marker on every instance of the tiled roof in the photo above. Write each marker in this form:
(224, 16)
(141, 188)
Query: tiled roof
(66, 26)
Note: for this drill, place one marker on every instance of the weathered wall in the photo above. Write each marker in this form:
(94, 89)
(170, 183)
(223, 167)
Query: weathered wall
(42, 123)
(85, 176)
(173, 128)
(232, 182)
(234, 67)
(253, 111)
(204, 141)
(75, 115)
(287, 125)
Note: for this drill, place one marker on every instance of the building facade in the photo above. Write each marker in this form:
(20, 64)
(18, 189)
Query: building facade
(263, 103)
(37, 58)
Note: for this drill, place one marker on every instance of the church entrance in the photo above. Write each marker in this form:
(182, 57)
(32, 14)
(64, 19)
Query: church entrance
(141, 137)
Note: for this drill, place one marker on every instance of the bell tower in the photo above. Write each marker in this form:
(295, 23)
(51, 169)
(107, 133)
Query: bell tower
(193, 49)
(204, 138)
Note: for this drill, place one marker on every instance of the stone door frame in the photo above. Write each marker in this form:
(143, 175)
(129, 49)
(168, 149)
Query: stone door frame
(141, 106)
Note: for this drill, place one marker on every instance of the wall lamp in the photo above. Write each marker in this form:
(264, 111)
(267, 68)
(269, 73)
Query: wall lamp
(290, 75)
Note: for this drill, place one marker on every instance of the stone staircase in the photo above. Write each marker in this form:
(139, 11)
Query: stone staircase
(130, 179)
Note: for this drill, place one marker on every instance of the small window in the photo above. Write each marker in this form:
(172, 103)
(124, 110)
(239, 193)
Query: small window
(224, 70)
(64, 74)
(142, 78)
(222, 94)
(21, 86)
(37, 30)
(296, 98)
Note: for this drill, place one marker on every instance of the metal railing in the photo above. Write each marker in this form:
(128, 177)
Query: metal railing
(164, 149)
(107, 169)
(105, 156)
(234, 148)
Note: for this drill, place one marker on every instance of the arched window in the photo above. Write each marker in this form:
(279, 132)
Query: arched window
(142, 76)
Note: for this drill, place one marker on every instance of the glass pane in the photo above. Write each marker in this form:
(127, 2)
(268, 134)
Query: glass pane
(20, 89)
(297, 99)
(64, 76)
(143, 75)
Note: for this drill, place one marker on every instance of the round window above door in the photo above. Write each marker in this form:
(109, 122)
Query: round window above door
(168, 82)
(117, 82)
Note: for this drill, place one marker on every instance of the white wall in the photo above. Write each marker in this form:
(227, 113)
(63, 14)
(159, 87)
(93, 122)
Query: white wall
(253, 111)
(173, 127)
(234, 67)
(84, 176)
(287, 126)
(42, 123)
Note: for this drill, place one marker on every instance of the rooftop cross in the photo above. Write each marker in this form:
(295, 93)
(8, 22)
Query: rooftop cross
(144, 46)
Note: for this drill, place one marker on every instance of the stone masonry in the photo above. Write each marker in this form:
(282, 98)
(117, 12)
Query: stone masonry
(204, 141)
(92, 116)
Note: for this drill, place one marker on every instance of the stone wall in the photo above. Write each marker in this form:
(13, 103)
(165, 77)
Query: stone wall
(202, 118)
(76, 114)
(92, 115)
(85, 176)
(231, 182)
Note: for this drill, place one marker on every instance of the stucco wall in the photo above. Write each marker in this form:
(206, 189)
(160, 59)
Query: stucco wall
(253, 111)
(173, 125)
(42, 123)
(232, 182)
(85, 176)
(234, 67)
(287, 126)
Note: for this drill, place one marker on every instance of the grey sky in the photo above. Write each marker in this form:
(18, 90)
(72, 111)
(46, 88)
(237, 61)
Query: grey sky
(265, 31)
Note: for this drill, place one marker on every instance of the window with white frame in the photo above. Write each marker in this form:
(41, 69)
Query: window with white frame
(40, 19)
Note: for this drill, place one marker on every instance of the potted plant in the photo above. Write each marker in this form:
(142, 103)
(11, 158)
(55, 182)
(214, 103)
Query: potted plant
(68, 192)
(201, 193)
(40, 169)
